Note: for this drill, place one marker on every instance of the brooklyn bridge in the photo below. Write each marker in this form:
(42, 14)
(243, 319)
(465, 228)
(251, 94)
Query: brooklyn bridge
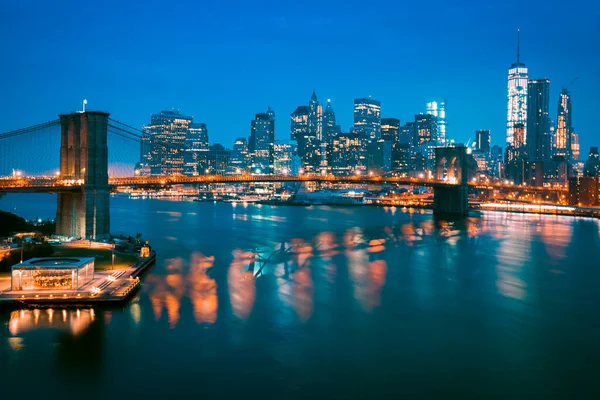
(83, 182)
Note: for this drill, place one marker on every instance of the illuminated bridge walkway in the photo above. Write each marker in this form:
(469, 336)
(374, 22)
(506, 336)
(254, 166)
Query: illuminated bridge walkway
(55, 184)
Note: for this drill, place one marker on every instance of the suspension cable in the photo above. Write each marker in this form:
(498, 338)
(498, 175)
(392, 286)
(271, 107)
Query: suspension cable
(29, 129)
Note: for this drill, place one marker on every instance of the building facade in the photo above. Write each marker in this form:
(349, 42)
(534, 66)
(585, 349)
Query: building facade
(367, 118)
(262, 140)
(196, 143)
(517, 97)
(164, 143)
(538, 120)
(390, 129)
(438, 110)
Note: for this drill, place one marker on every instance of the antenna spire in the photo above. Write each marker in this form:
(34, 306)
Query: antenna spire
(518, 44)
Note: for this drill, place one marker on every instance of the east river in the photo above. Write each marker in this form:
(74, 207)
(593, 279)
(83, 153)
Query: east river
(366, 303)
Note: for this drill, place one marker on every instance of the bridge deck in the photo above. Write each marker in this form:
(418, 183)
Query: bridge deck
(52, 185)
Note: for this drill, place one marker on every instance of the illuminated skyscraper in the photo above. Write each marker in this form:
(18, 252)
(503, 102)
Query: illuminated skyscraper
(262, 139)
(283, 157)
(438, 110)
(538, 120)
(196, 142)
(315, 118)
(239, 156)
(390, 128)
(329, 126)
(426, 129)
(482, 141)
(406, 133)
(165, 142)
(299, 123)
(564, 128)
(574, 147)
(592, 165)
(517, 97)
(367, 118)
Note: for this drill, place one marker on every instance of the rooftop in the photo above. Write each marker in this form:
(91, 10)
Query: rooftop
(55, 262)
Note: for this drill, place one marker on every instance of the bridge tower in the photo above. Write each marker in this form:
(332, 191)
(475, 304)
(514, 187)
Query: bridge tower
(451, 166)
(84, 155)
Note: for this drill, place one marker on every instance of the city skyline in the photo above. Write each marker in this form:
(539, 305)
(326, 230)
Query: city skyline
(131, 85)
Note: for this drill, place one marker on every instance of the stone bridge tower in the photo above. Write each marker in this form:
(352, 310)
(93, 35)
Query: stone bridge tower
(84, 155)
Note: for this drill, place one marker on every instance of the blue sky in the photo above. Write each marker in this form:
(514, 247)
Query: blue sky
(224, 61)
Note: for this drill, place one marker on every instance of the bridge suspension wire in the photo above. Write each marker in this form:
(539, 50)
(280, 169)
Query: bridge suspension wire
(125, 125)
(125, 131)
(29, 129)
(31, 151)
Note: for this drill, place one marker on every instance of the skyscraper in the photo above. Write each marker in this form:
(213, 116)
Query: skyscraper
(426, 129)
(283, 157)
(564, 127)
(196, 142)
(406, 133)
(329, 125)
(482, 141)
(574, 147)
(315, 117)
(538, 120)
(299, 123)
(262, 139)
(438, 110)
(390, 128)
(517, 97)
(239, 156)
(367, 118)
(592, 165)
(165, 137)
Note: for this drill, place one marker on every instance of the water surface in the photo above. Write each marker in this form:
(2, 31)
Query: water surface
(367, 303)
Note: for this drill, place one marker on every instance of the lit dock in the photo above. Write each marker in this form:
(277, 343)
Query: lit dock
(107, 287)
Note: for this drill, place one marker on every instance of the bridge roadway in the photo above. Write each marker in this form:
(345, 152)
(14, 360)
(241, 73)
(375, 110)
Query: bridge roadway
(54, 184)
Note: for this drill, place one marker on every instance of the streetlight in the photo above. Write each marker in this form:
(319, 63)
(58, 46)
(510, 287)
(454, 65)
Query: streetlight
(22, 246)
(113, 256)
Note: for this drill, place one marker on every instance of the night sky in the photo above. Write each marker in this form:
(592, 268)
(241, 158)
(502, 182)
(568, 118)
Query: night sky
(224, 61)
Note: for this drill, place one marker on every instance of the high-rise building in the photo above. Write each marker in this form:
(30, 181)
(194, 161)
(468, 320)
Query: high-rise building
(426, 129)
(517, 97)
(299, 123)
(564, 127)
(438, 110)
(215, 161)
(482, 141)
(519, 142)
(283, 157)
(390, 129)
(406, 133)
(538, 120)
(262, 139)
(329, 125)
(367, 118)
(315, 117)
(348, 155)
(196, 142)
(592, 165)
(307, 129)
(164, 141)
(379, 157)
(239, 162)
(401, 158)
(574, 147)
(496, 165)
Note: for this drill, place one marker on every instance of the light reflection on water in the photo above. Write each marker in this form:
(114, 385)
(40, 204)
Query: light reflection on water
(372, 287)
